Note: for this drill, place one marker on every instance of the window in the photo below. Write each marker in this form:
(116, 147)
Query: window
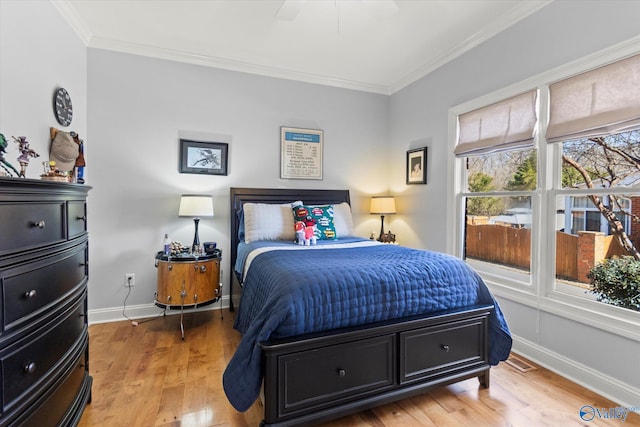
(496, 145)
(498, 209)
(603, 223)
(536, 215)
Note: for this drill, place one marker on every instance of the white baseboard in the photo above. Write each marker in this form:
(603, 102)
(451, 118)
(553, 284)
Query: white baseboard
(142, 311)
(611, 388)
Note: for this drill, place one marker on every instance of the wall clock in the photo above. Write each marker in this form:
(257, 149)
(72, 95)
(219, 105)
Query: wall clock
(62, 107)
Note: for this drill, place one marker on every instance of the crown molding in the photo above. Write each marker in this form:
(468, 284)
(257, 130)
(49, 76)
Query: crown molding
(506, 20)
(244, 67)
(74, 20)
(503, 22)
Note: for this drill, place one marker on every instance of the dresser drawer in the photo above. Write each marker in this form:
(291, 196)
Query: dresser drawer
(29, 225)
(76, 218)
(441, 350)
(31, 360)
(72, 392)
(334, 374)
(29, 288)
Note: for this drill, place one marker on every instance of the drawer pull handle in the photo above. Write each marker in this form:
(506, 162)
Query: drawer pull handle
(81, 218)
(38, 224)
(203, 269)
(445, 348)
(342, 372)
(170, 267)
(30, 368)
(30, 294)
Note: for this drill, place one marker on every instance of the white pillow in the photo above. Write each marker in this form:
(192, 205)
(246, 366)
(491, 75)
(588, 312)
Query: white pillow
(342, 220)
(265, 221)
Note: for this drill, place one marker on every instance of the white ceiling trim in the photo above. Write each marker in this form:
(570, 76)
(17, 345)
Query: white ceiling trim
(516, 14)
(523, 10)
(226, 64)
(73, 19)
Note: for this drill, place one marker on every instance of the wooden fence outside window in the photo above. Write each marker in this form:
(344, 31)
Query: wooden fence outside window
(506, 245)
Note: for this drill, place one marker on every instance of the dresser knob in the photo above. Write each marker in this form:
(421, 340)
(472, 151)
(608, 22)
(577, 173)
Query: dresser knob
(81, 218)
(203, 269)
(30, 368)
(38, 224)
(445, 348)
(342, 372)
(170, 267)
(30, 294)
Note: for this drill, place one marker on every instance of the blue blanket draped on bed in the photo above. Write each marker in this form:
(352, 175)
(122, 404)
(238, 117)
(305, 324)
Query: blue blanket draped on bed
(292, 292)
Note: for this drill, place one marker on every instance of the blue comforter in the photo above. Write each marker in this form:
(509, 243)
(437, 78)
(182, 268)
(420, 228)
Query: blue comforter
(290, 292)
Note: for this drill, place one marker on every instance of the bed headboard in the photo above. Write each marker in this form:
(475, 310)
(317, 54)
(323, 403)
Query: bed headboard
(240, 196)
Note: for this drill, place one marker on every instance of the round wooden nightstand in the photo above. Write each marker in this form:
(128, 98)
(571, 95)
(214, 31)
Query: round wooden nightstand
(186, 281)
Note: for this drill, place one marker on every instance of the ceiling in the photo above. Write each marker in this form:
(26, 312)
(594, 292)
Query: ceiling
(377, 46)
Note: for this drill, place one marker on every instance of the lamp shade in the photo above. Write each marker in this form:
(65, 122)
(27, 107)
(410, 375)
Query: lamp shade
(195, 205)
(383, 205)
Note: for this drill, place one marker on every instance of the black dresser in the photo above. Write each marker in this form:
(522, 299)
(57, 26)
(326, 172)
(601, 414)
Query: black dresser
(44, 352)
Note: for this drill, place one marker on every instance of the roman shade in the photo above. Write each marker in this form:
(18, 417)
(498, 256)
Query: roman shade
(602, 101)
(505, 125)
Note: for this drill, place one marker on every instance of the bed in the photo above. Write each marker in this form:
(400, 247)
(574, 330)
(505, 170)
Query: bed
(349, 323)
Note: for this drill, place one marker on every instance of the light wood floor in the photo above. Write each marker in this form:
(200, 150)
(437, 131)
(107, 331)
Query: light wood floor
(146, 375)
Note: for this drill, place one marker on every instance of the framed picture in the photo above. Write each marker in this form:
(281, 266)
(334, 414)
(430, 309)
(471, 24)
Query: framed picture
(301, 153)
(417, 166)
(203, 157)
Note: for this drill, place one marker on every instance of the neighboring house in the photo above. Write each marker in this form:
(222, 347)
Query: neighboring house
(580, 214)
(518, 216)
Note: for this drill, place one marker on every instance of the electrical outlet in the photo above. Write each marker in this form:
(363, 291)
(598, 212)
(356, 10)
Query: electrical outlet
(129, 280)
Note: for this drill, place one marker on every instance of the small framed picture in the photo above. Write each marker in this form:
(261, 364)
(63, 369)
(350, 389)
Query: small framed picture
(417, 166)
(203, 157)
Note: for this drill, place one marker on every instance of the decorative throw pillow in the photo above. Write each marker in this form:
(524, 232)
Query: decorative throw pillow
(321, 217)
(265, 221)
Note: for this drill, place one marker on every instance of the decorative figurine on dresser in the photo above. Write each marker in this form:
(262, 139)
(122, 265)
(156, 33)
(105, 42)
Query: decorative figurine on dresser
(7, 167)
(26, 153)
(44, 340)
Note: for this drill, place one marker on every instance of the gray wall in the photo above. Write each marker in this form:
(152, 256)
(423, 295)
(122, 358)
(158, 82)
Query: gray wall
(556, 35)
(140, 107)
(38, 53)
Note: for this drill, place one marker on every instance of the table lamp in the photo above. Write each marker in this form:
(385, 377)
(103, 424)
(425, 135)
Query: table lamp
(196, 206)
(383, 205)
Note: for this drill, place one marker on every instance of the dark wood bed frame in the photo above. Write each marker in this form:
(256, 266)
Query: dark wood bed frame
(318, 377)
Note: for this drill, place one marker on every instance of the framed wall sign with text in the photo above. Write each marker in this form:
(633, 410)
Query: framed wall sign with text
(301, 153)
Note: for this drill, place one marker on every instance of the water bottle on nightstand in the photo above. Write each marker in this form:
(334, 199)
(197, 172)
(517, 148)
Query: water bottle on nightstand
(167, 245)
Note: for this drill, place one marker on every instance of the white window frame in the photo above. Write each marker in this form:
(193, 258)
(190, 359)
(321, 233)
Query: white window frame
(543, 291)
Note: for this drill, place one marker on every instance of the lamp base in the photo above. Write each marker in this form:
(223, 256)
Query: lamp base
(195, 248)
(381, 228)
